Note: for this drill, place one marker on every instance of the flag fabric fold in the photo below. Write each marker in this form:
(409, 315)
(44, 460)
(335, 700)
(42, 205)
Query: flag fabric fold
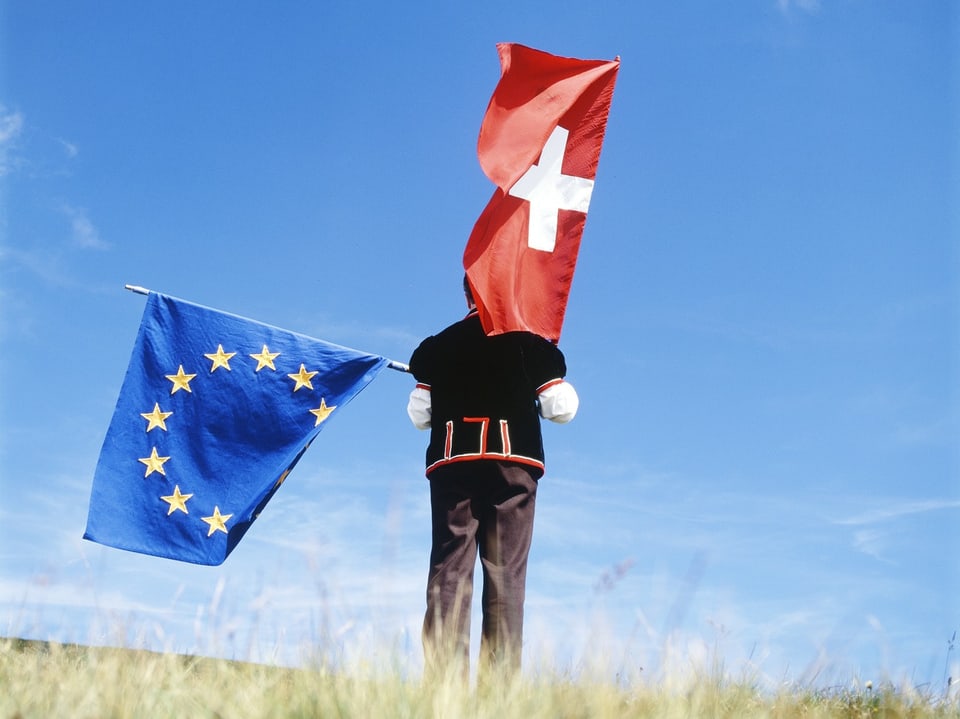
(540, 142)
(214, 412)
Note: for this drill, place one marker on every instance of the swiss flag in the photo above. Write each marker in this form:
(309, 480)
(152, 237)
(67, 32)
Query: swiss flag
(540, 143)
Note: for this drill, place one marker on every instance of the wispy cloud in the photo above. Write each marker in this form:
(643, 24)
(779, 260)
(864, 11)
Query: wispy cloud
(84, 233)
(52, 268)
(11, 125)
(371, 337)
(807, 6)
(53, 262)
(42, 264)
(871, 542)
(884, 514)
(873, 535)
(69, 148)
(936, 432)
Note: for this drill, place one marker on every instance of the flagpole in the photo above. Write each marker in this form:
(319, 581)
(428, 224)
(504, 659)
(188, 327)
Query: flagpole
(391, 364)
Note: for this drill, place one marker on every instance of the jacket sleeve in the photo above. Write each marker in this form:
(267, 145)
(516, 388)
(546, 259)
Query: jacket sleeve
(421, 361)
(419, 405)
(543, 361)
(546, 365)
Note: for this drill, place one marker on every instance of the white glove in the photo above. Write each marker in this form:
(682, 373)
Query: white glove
(558, 401)
(418, 408)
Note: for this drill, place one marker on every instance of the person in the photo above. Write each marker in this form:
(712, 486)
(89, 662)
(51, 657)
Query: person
(482, 398)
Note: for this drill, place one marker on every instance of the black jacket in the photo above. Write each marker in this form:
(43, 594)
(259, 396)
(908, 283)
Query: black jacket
(484, 393)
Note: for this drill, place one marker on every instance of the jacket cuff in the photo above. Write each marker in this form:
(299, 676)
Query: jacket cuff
(558, 401)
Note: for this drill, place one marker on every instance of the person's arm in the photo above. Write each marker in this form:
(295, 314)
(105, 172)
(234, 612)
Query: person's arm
(545, 363)
(419, 406)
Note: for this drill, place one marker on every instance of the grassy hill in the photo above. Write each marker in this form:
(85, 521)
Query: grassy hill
(41, 679)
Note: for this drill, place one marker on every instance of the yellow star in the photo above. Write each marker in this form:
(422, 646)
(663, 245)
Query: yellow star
(282, 477)
(154, 463)
(180, 380)
(302, 378)
(322, 412)
(265, 359)
(220, 358)
(287, 471)
(218, 522)
(156, 418)
(177, 501)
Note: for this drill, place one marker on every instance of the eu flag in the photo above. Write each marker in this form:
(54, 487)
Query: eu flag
(214, 412)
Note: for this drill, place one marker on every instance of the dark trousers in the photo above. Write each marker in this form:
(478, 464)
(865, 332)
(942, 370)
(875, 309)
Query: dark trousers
(487, 507)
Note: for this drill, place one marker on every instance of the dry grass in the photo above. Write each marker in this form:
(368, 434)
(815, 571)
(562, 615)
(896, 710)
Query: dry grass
(45, 680)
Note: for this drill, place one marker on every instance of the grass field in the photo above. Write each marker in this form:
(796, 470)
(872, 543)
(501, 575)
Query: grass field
(39, 679)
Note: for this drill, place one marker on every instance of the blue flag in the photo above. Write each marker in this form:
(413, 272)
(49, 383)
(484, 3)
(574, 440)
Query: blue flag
(214, 412)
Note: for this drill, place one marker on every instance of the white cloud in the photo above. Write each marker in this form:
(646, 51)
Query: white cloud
(807, 6)
(871, 542)
(900, 510)
(11, 125)
(83, 232)
(932, 433)
(875, 541)
(69, 148)
(51, 268)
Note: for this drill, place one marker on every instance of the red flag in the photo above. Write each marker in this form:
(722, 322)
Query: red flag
(540, 143)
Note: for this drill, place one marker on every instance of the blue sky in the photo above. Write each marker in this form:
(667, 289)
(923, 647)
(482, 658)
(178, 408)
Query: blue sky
(763, 327)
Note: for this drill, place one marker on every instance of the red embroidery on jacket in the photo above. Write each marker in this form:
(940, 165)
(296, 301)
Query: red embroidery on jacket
(448, 442)
(547, 385)
(484, 423)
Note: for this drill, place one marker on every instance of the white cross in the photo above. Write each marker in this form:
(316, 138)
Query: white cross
(549, 191)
